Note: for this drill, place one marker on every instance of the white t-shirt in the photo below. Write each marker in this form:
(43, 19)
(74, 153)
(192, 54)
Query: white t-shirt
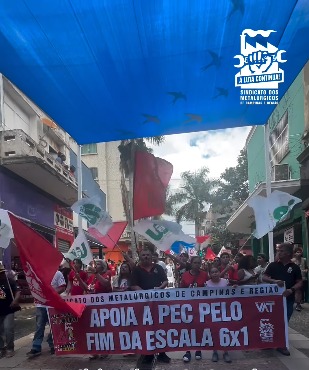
(220, 284)
(58, 281)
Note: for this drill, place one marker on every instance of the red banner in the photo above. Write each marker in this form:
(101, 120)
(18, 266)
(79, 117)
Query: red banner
(242, 318)
(151, 178)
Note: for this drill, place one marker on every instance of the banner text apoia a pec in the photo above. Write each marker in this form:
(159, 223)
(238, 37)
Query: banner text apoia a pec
(173, 320)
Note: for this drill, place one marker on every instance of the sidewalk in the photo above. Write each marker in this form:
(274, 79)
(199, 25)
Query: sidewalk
(245, 360)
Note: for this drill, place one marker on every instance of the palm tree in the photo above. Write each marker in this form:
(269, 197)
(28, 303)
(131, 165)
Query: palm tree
(127, 150)
(189, 203)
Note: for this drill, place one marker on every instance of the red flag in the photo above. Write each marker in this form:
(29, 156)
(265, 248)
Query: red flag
(40, 261)
(202, 239)
(210, 254)
(111, 238)
(151, 177)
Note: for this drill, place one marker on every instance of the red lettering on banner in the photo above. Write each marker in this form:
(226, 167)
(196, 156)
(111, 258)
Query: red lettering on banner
(174, 319)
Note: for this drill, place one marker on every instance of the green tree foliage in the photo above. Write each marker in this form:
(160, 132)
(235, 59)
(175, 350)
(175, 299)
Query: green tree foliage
(234, 186)
(189, 203)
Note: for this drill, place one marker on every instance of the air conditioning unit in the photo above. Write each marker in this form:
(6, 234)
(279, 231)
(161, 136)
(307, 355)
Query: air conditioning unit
(280, 172)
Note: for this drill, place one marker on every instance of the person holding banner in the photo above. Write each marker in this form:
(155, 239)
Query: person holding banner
(122, 282)
(285, 272)
(194, 278)
(145, 276)
(246, 271)
(216, 281)
(77, 280)
(58, 283)
(9, 298)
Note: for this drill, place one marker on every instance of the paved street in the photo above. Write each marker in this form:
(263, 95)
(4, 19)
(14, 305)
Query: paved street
(24, 322)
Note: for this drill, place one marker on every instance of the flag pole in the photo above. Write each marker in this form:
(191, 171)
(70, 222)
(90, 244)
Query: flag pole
(268, 186)
(79, 185)
(131, 201)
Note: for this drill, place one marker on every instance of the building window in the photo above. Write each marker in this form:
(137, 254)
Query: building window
(279, 141)
(89, 149)
(95, 173)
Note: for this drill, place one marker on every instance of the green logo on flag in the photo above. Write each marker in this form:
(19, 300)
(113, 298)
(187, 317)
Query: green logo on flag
(80, 252)
(161, 231)
(281, 211)
(91, 213)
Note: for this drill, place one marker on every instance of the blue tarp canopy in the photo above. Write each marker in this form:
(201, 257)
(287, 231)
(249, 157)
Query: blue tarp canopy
(118, 69)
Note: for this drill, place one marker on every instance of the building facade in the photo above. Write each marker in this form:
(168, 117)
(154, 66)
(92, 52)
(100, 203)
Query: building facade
(34, 183)
(103, 160)
(287, 125)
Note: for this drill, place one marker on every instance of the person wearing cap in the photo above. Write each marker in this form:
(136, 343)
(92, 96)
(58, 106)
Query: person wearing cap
(9, 303)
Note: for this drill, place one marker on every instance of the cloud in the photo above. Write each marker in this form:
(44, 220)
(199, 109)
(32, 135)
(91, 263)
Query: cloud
(216, 150)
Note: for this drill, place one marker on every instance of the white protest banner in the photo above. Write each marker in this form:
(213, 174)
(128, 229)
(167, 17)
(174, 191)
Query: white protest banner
(151, 321)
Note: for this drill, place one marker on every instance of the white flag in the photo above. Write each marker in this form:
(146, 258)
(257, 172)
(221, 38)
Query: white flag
(80, 249)
(92, 211)
(174, 227)
(160, 235)
(270, 211)
(6, 231)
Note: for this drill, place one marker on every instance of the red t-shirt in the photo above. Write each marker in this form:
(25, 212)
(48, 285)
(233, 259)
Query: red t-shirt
(76, 289)
(231, 274)
(192, 281)
(95, 286)
(112, 269)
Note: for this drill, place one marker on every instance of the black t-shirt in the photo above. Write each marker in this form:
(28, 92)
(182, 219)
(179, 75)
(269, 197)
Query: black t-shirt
(148, 280)
(290, 273)
(6, 297)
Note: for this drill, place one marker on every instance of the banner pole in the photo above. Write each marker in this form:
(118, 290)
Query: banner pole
(268, 186)
(79, 185)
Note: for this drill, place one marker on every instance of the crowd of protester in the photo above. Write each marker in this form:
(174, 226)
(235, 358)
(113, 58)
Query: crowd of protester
(152, 272)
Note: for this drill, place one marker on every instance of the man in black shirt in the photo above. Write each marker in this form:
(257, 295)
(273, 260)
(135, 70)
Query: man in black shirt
(281, 272)
(148, 275)
(9, 297)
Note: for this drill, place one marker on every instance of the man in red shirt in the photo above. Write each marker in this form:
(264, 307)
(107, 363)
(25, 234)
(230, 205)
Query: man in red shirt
(77, 280)
(195, 277)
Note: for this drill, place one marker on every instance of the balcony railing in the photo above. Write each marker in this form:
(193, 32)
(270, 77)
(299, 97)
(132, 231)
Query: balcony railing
(17, 144)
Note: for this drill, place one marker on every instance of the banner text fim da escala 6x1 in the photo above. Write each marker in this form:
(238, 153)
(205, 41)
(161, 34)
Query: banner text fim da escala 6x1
(247, 317)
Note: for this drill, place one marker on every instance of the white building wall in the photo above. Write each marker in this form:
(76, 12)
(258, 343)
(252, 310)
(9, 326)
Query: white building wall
(107, 162)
